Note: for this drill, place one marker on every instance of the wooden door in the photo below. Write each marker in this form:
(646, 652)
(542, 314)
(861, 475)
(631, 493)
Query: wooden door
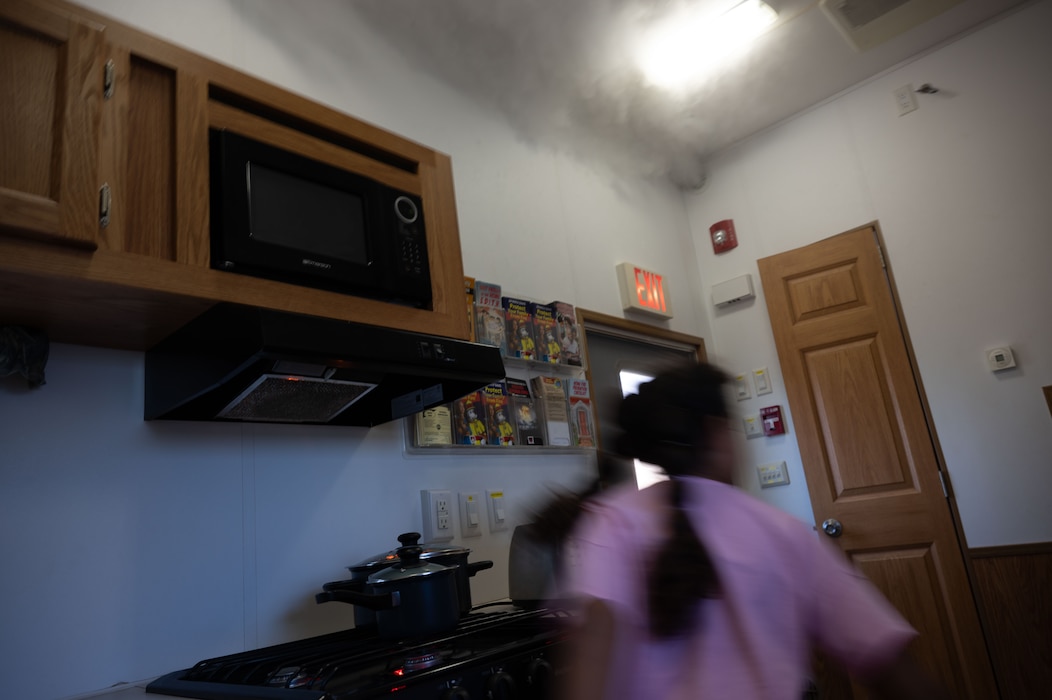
(51, 93)
(868, 451)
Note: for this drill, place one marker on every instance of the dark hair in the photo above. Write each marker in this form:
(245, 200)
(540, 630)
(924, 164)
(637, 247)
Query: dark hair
(665, 425)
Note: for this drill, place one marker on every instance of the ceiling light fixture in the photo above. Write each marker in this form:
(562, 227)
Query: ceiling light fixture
(683, 49)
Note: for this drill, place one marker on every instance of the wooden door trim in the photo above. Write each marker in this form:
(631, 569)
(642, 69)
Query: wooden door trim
(967, 554)
(594, 318)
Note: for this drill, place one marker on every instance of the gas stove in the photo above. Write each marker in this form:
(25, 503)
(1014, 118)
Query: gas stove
(510, 654)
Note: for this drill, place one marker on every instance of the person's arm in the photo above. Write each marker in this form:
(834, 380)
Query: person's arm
(903, 679)
(590, 649)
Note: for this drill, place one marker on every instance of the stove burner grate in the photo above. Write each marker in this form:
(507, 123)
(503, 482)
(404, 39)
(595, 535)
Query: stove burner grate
(359, 664)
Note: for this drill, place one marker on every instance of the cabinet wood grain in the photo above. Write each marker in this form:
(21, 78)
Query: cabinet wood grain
(130, 283)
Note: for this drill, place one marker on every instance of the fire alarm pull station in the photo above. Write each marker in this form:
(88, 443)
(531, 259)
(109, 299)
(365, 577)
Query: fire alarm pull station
(723, 236)
(771, 418)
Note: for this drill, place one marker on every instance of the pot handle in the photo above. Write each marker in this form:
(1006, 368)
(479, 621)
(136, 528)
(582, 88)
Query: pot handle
(373, 602)
(479, 566)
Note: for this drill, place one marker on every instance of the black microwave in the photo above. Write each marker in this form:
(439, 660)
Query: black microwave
(286, 217)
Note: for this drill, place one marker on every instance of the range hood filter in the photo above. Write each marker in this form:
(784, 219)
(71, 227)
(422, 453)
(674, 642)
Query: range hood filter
(279, 398)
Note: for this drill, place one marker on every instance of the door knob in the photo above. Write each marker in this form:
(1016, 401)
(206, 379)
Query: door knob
(832, 527)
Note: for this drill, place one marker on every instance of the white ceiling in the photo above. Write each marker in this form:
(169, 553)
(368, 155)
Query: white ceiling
(559, 70)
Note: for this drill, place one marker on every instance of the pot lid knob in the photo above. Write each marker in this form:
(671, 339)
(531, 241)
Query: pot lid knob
(409, 539)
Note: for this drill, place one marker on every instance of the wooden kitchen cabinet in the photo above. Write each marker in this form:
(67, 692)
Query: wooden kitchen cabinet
(130, 283)
(51, 83)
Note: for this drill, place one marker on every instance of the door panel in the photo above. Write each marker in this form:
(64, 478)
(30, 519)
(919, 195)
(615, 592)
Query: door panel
(859, 463)
(869, 456)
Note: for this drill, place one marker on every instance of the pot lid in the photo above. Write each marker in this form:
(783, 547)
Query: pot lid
(408, 539)
(409, 567)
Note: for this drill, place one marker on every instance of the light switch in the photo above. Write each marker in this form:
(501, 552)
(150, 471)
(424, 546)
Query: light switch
(498, 517)
(762, 380)
(470, 522)
(741, 387)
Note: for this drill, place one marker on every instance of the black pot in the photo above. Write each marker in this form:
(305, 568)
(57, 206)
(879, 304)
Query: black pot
(446, 556)
(412, 599)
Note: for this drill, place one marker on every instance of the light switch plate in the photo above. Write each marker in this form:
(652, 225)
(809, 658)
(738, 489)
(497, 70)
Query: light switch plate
(741, 387)
(762, 380)
(772, 474)
(471, 514)
(498, 511)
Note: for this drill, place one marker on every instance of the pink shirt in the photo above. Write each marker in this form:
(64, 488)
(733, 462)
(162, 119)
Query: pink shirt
(785, 591)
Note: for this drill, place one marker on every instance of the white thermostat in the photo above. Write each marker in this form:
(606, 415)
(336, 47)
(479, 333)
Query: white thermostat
(1000, 358)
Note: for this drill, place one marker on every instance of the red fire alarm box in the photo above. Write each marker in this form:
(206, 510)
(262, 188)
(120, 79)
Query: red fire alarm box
(723, 236)
(771, 419)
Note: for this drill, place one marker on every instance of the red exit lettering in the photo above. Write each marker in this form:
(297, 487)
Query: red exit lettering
(649, 290)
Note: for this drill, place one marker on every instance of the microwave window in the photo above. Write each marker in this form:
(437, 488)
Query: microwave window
(305, 216)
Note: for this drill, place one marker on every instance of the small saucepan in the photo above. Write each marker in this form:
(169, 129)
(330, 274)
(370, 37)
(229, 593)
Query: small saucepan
(411, 599)
(434, 553)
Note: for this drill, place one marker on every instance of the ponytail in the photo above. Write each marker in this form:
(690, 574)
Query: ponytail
(681, 573)
(665, 424)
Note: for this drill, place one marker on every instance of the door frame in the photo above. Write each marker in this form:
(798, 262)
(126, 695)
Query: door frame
(929, 419)
(594, 321)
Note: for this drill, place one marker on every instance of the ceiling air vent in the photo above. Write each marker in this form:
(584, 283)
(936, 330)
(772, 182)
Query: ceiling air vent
(868, 23)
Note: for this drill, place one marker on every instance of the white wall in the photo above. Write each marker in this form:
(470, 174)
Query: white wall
(961, 189)
(131, 549)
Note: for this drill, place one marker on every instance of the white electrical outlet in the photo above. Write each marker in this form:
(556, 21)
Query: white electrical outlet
(437, 508)
(772, 474)
(470, 518)
(498, 513)
(905, 99)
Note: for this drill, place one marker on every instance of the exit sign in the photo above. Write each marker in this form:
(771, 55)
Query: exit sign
(644, 290)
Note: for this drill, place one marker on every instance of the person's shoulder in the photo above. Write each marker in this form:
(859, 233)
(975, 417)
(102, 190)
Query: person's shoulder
(728, 503)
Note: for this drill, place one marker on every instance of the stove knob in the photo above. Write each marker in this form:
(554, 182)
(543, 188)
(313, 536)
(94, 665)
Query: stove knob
(456, 693)
(539, 675)
(501, 686)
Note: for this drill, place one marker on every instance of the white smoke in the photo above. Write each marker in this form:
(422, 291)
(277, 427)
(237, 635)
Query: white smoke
(562, 73)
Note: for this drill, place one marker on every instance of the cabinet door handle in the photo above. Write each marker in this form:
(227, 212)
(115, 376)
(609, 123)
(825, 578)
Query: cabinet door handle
(104, 205)
(109, 80)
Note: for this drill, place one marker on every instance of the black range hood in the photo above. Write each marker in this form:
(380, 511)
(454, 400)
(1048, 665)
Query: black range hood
(248, 364)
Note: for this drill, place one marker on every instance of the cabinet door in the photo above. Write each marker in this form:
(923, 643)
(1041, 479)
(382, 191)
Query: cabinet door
(51, 94)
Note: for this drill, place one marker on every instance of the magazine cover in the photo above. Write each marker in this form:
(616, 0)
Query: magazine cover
(469, 294)
(469, 419)
(556, 419)
(545, 332)
(568, 333)
(434, 426)
(498, 415)
(489, 316)
(582, 426)
(528, 428)
(519, 329)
